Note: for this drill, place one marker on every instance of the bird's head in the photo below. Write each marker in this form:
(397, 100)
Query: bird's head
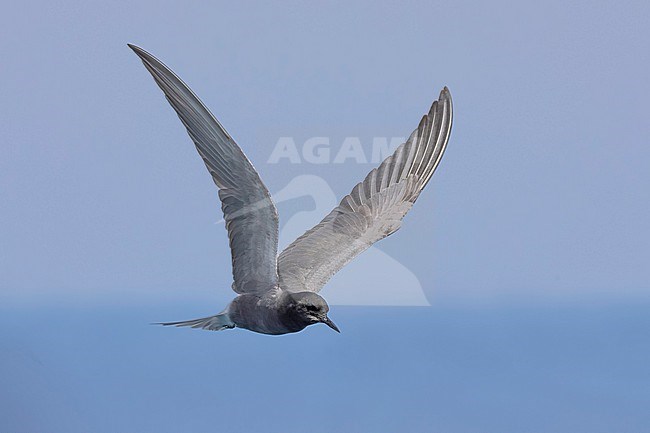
(311, 308)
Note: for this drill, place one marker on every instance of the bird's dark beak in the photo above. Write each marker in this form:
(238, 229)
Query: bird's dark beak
(331, 324)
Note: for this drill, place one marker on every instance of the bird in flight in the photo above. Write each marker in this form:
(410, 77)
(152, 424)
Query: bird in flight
(278, 294)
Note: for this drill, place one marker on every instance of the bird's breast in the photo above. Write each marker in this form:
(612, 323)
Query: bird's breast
(262, 314)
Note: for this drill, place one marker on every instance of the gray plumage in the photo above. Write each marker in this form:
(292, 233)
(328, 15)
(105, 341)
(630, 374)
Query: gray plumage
(278, 294)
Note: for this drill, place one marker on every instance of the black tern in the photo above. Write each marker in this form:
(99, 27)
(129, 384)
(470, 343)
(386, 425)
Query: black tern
(278, 294)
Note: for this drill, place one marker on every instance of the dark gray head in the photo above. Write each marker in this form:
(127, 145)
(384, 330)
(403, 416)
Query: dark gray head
(311, 308)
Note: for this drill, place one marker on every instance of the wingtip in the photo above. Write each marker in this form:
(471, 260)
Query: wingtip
(139, 51)
(443, 99)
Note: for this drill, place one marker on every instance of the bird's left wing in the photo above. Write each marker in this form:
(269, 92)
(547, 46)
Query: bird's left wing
(373, 210)
(250, 215)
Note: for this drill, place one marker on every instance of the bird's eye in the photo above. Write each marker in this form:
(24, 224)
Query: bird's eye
(312, 307)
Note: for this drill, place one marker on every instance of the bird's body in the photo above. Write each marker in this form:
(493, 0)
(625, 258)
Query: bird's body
(278, 293)
(275, 312)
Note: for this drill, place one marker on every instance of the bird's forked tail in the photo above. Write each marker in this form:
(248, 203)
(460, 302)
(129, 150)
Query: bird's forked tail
(218, 322)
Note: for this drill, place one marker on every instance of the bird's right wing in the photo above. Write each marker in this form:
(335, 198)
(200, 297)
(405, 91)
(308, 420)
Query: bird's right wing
(373, 210)
(250, 215)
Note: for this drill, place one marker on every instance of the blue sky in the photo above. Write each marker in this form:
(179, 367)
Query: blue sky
(531, 244)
